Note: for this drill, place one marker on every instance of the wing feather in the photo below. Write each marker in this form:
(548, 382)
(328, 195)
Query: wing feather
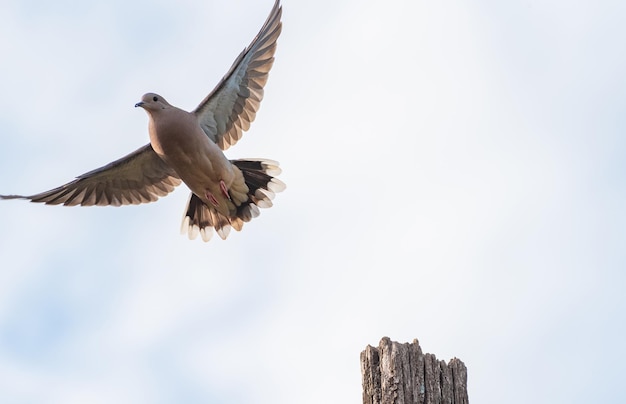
(139, 177)
(230, 108)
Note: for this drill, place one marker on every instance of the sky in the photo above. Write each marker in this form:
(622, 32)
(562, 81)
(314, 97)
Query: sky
(455, 173)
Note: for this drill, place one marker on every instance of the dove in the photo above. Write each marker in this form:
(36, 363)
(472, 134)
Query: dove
(189, 147)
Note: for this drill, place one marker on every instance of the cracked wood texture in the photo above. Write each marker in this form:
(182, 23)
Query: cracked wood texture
(396, 373)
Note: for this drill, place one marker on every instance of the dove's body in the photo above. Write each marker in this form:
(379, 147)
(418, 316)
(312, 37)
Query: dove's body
(189, 146)
(178, 139)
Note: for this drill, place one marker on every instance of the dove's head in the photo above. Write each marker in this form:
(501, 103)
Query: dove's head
(152, 102)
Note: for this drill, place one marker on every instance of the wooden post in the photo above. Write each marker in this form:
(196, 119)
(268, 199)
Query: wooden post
(397, 373)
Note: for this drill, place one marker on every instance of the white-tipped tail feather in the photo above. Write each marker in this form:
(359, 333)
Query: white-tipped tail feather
(258, 174)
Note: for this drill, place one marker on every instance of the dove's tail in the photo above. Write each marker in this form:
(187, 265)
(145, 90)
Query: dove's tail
(259, 176)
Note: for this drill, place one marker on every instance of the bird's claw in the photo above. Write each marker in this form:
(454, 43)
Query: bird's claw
(212, 199)
(224, 189)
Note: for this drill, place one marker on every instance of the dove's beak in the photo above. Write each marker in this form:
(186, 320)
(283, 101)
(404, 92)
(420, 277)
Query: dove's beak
(139, 104)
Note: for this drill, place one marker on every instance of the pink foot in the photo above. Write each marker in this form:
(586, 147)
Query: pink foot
(212, 199)
(224, 189)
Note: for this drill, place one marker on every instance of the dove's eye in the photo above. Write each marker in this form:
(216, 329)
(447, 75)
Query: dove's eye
(155, 99)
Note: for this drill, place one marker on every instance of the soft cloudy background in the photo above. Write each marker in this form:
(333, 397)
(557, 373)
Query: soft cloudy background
(455, 174)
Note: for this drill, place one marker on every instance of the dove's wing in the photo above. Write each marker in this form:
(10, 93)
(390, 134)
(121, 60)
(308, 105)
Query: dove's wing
(139, 177)
(230, 108)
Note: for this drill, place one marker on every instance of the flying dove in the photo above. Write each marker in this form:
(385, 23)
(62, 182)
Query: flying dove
(188, 147)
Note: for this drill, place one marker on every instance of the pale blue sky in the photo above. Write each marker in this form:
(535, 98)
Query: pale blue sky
(455, 173)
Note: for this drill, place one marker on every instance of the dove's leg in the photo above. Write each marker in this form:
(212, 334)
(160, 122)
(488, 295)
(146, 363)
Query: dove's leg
(212, 198)
(224, 189)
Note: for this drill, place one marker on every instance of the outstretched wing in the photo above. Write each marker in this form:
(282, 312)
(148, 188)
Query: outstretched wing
(139, 177)
(230, 108)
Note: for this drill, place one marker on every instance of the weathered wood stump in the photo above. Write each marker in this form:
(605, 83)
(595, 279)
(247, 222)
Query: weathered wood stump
(397, 373)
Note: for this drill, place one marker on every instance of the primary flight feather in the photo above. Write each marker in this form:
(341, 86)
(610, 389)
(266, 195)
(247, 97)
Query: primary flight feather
(188, 147)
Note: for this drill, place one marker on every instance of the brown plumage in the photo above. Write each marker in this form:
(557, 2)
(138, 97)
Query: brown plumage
(188, 147)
